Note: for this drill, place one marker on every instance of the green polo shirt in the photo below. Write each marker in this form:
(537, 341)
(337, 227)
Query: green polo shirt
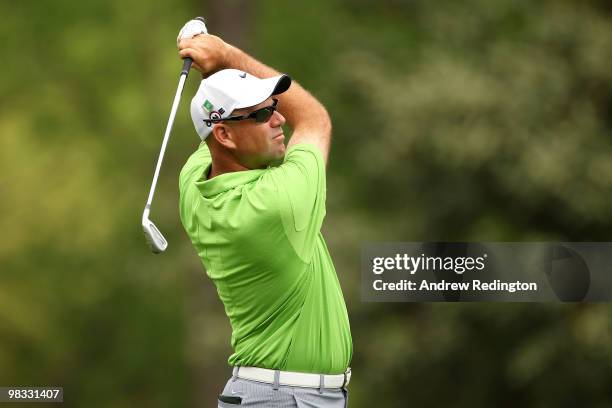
(258, 233)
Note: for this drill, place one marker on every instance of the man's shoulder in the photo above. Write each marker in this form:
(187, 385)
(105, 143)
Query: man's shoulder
(195, 165)
(303, 162)
(303, 149)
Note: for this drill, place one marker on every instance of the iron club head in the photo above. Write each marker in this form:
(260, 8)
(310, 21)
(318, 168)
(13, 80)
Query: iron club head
(154, 237)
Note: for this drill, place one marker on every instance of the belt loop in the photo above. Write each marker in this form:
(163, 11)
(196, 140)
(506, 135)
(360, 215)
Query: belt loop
(276, 380)
(235, 373)
(346, 374)
(321, 383)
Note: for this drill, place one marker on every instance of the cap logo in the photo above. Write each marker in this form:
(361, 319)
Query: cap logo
(214, 115)
(243, 75)
(207, 106)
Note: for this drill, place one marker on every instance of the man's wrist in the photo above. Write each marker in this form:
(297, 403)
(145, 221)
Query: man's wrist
(231, 57)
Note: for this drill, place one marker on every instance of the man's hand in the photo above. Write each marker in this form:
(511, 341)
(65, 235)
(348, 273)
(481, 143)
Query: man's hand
(208, 52)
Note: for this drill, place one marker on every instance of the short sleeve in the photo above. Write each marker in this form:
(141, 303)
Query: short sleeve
(301, 186)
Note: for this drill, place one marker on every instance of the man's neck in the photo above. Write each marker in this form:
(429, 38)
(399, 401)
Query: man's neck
(223, 161)
(221, 168)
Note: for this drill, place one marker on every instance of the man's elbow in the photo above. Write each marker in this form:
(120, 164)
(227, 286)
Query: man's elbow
(326, 124)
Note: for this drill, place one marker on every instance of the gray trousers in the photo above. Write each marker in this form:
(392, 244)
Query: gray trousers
(246, 393)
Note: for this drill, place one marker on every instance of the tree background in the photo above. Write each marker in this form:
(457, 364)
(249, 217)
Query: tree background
(460, 121)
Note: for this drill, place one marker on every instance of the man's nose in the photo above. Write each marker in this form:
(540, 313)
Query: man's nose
(277, 119)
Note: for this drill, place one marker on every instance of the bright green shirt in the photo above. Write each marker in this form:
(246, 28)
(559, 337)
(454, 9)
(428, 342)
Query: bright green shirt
(258, 235)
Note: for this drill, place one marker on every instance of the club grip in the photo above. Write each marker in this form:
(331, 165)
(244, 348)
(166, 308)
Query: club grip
(186, 66)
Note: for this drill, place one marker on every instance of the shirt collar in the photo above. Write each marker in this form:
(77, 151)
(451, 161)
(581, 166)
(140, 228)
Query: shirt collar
(226, 181)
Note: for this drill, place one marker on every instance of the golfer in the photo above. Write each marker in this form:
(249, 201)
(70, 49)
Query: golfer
(253, 210)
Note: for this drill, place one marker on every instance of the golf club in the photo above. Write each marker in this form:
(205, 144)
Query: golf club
(154, 237)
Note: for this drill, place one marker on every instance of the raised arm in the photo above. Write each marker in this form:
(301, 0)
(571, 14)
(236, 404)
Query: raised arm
(306, 116)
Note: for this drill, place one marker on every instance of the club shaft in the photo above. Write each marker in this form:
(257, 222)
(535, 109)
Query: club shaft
(175, 104)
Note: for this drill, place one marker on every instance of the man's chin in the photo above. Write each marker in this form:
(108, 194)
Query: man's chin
(278, 158)
(277, 161)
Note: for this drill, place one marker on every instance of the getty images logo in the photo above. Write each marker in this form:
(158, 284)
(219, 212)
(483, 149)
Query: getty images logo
(413, 264)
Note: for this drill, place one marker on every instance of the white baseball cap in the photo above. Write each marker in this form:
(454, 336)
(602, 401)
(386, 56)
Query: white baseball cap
(229, 89)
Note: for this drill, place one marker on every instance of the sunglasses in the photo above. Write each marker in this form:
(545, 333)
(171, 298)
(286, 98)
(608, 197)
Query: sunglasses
(260, 115)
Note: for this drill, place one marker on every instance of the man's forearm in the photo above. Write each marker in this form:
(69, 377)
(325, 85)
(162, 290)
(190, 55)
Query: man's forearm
(238, 59)
(304, 113)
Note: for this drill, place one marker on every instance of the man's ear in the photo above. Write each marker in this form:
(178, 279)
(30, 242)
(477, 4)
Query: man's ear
(224, 136)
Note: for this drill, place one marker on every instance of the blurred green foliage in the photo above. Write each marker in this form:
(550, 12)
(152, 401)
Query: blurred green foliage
(469, 121)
